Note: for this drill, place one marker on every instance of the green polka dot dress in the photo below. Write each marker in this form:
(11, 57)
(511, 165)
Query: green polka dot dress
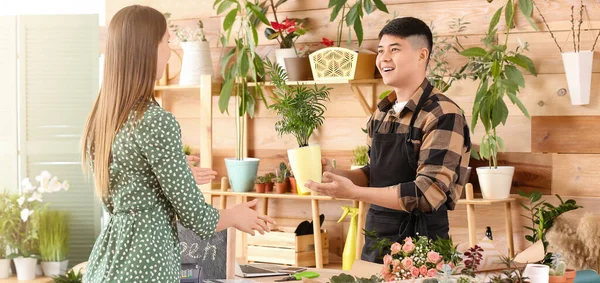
(151, 184)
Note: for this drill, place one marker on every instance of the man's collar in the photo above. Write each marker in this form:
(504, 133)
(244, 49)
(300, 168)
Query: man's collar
(387, 102)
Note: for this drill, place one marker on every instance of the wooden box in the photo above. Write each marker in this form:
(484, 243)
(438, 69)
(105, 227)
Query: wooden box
(284, 247)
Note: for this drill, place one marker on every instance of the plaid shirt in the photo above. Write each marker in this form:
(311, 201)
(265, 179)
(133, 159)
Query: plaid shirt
(443, 151)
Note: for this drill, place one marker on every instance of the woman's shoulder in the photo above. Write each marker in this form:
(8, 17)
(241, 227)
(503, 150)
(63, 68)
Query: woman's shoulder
(156, 116)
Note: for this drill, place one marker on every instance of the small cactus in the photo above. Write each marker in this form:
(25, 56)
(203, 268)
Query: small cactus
(561, 267)
(552, 272)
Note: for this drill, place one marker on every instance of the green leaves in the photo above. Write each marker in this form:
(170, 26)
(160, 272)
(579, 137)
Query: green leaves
(509, 13)
(257, 11)
(230, 19)
(514, 75)
(474, 52)
(354, 16)
(495, 20)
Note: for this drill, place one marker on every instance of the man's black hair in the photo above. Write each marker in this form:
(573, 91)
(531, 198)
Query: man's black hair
(407, 27)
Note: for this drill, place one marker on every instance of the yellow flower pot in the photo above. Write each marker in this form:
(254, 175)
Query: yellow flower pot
(306, 165)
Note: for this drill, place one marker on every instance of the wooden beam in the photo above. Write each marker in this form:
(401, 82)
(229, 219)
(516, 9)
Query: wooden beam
(565, 134)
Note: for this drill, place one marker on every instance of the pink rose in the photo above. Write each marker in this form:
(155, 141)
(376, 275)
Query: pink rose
(396, 248)
(407, 262)
(396, 265)
(423, 270)
(433, 257)
(387, 260)
(389, 278)
(408, 240)
(439, 265)
(385, 271)
(414, 272)
(408, 247)
(431, 273)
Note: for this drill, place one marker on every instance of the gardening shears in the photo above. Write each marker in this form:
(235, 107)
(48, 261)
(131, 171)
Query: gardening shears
(299, 276)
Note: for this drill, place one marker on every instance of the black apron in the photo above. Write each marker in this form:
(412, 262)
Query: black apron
(393, 161)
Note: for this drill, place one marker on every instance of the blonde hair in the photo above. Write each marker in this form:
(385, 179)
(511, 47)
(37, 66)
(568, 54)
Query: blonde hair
(130, 66)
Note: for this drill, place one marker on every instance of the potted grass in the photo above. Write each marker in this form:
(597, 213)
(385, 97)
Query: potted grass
(300, 110)
(54, 242)
(240, 65)
(281, 182)
(499, 75)
(361, 157)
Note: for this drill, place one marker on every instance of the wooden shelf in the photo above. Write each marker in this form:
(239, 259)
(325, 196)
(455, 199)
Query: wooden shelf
(354, 85)
(323, 82)
(268, 195)
(485, 201)
(185, 87)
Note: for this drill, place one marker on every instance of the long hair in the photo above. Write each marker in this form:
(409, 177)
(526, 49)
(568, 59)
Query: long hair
(128, 81)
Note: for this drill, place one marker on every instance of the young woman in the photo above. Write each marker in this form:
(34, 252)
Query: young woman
(134, 149)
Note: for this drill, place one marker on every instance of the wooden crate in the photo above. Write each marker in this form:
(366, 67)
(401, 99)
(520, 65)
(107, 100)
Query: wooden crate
(284, 247)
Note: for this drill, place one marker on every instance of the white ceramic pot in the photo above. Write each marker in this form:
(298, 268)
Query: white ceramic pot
(195, 63)
(25, 267)
(4, 268)
(306, 165)
(578, 69)
(537, 273)
(281, 54)
(495, 183)
(52, 269)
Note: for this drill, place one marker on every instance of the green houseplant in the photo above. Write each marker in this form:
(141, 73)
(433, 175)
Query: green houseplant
(54, 242)
(300, 110)
(240, 65)
(7, 206)
(352, 16)
(497, 70)
(70, 277)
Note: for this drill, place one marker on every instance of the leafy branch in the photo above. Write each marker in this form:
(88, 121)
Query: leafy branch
(354, 16)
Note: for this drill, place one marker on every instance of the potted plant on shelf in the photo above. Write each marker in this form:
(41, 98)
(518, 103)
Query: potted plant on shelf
(281, 183)
(259, 184)
(342, 63)
(54, 242)
(293, 184)
(239, 65)
(70, 277)
(498, 72)
(557, 270)
(196, 60)
(300, 110)
(298, 68)
(269, 181)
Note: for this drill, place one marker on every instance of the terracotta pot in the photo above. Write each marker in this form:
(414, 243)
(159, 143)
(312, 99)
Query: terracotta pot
(558, 279)
(298, 69)
(570, 274)
(259, 188)
(268, 187)
(281, 188)
(293, 185)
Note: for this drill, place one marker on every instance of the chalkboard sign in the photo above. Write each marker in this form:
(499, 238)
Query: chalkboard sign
(210, 254)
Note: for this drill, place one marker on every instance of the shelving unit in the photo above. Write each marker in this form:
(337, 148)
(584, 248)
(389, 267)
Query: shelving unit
(354, 86)
(205, 90)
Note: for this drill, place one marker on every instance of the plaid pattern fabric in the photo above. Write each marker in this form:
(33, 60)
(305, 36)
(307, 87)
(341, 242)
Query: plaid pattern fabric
(443, 150)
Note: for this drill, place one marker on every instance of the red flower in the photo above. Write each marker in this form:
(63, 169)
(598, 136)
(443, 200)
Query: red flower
(289, 23)
(291, 29)
(278, 27)
(327, 42)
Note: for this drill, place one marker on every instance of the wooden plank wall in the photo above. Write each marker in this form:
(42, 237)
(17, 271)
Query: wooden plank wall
(557, 151)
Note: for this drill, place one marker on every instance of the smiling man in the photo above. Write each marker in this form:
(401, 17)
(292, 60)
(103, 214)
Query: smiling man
(419, 147)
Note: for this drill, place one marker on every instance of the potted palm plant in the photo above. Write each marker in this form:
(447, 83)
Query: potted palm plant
(240, 65)
(300, 110)
(54, 242)
(499, 76)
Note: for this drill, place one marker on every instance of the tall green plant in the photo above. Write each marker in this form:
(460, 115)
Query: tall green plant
(542, 216)
(300, 109)
(54, 235)
(241, 63)
(499, 75)
(353, 17)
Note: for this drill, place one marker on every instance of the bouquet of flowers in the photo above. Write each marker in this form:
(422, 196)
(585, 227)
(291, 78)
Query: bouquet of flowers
(421, 257)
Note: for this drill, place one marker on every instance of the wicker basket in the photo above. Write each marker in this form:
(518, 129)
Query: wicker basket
(336, 63)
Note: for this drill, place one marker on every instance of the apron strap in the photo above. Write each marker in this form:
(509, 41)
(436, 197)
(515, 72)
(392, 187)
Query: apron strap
(424, 98)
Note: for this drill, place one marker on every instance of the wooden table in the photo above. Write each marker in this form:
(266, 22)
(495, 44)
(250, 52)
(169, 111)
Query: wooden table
(314, 199)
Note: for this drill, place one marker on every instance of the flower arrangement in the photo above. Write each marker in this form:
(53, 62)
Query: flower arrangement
(187, 34)
(419, 257)
(286, 32)
(20, 221)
